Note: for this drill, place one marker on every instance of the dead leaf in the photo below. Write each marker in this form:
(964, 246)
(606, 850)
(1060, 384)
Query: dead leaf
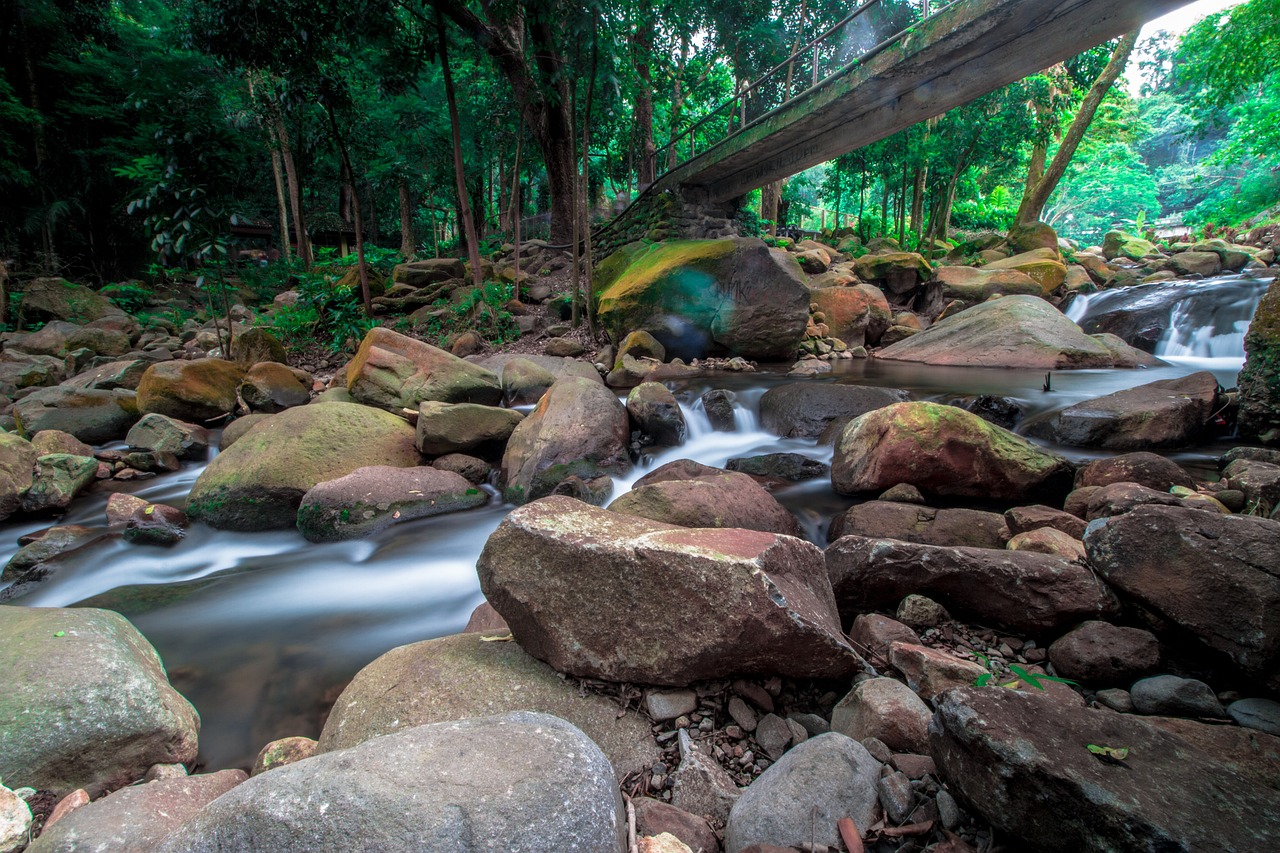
(849, 834)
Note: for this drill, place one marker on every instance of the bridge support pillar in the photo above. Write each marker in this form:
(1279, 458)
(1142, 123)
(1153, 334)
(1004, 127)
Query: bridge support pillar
(668, 215)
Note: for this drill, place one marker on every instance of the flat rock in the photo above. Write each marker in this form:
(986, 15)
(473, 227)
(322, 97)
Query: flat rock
(1172, 696)
(454, 427)
(806, 409)
(725, 499)
(394, 372)
(1101, 653)
(884, 519)
(371, 499)
(1167, 413)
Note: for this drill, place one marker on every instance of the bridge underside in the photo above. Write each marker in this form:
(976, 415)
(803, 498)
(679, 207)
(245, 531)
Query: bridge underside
(966, 51)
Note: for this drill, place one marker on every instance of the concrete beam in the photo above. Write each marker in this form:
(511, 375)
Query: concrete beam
(971, 48)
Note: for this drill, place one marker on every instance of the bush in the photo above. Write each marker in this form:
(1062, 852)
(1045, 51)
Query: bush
(483, 311)
(128, 296)
(325, 313)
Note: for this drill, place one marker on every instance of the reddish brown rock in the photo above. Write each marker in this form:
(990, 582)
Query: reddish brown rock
(1032, 593)
(680, 469)
(394, 372)
(873, 634)
(932, 672)
(724, 500)
(886, 709)
(1046, 540)
(1024, 518)
(1145, 469)
(1167, 413)
(571, 579)
(485, 620)
(1105, 654)
(924, 525)
(654, 817)
(195, 390)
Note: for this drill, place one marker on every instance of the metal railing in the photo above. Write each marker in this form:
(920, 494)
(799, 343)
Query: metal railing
(849, 42)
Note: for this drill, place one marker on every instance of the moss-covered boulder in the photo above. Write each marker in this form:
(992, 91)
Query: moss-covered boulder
(93, 416)
(197, 390)
(59, 478)
(257, 344)
(1044, 266)
(1038, 235)
(897, 272)
(578, 432)
(272, 387)
(48, 299)
(17, 466)
(942, 450)
(1012, 331)
(702, 297)
(971, 284)
(455, 427)
(258, 482)
(84, 702)
(1260, 379)
(1196, 263)
(395, 372)
(1119, 244)
(370, 499)
(165, 434)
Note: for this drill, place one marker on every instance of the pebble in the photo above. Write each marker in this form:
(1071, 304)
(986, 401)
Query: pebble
(15, 820)
(774, 735)
(877, 748)
(754, 694)
(68, 804)
(813, 724)
(917, 611)
(1115, 699)
(742, 714)
(1171, 696)
(914, 766)
(1260, 714)
(896, 796)
(948, 810)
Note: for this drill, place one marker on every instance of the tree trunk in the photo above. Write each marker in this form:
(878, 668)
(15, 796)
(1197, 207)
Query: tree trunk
(459, 172)
(677, 100)
(295, 188)
(408, 242)
(641, 52)
(770, 195)
(348, 176)
(277, 172)
(587, 301)
(1036, 195)
(917, 199)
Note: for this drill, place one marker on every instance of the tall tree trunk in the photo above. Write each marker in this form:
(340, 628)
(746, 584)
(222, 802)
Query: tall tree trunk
(917, 199)
(459, 173)
(516, 211)
(277, 172)
(677, 100)
(770, 195)
(587, 300)
(348, 176)
(641, 53)
(408, 242)
(1036, 196)
(295, 188)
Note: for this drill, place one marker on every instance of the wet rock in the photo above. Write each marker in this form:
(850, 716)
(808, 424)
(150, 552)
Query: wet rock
(886, 709)
(737, 295)
(135, 819)
(476, 471)
(1046, 540)
(1145, 469)
(718, 404)
(371, 499)
(1258, 481)
(1013, 331)
(805, 409)
(58, 479)
(641, 578)
(1008, 753)
(93, 416)
(1171, 696)
(1259, 381)
(579, 429)
(1001, 411)
(17, 470)
(1216, 577)
(394, 372)
(1167, 413)
(162, 433)
(532, 782)
(1026, 518)
(156, 524)
(454, 427)
(284, 751)
(84, 702)
(1101, 653)
(1019, 591)
(273, 387)
(722, 500)
(788, 467)
(121, 505)
(700, 786)
(801, 797)
(462, 676)
(1260, 714)
(884, 519)
(196, 390)
(258, 483)
(655, 412)
(942, 450)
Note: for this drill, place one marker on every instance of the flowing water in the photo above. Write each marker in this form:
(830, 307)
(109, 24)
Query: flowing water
(261, 630)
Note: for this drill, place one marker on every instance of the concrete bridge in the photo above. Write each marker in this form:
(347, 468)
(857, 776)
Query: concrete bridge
(962, 52)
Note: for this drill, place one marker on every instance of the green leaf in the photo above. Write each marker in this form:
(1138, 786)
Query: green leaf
(59, 633)
(1119, 753)
(983, 680)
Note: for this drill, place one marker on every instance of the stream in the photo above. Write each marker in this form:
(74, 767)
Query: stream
(260, 631)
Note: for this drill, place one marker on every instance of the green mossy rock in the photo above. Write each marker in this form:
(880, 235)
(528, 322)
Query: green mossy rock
(1118, 244)
(1024, 238)
(258, 482)
(699, 297)
(94, 417)
(1044, 266)
(371, 499)
(46, 299)
(971, 284)
(197, 390)
(84, 702)
(59, 477)
(943, 450)
(900, 272)
(254, 345)
(17, 467)
(1259, 382)
(395, 372)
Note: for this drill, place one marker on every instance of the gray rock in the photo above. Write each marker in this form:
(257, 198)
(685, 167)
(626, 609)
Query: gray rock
(1260, 714)
(84, 702)
(742, 714)
(805, 409)
(948, 810)
(774, 735)
(91, 415)
(699, 785)
(135, 819)
(896, 796)
(161, 432)
(669, 704)
(1171, 696)
(803, 795)
(529, 782)
(918, 611)
(718, 404)
(1115, 699)
(1102, 653)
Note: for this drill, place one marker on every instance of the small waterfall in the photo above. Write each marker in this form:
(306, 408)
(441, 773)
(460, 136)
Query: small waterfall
(1199, 323)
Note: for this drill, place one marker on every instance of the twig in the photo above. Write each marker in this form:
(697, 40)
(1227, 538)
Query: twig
(631, 827)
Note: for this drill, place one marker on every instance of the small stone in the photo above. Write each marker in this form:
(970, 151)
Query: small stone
(742, 714)
(1260, 714)
(284, 751)
(1171, 696)
(917, 611)
(903, 493)
(948, 810)
(813, 724)
(887, 709)
(77, 798)
(896, 796)
(1115, 699)
(754, 694)
(877, 748)
(165, 771)
(122, 505)
(669, 704)
(774, 735)
(914, 766)
(15, 821)
(799, 734)
(734, 732)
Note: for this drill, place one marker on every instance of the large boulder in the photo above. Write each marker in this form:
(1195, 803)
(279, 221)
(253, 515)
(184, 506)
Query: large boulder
(395, 372)
(463, 676)
(135, 819)
(165, 434)
(371, 499)
(656, 414)
(197, 390)
(1259, 383)
(94, 417)
(1021, 761)
(1038, 594)
(944, 451)
(1012, 331)
(970, 284)
(1120, 244)
(1216, 577)
(271, 387)
(1167, 413)
(17, 467)
(857, 314)
(570, 579)
(700, 297)
(455, 427)
(257, 345)
(125, 374)
(47, 299)
(515, 783)
(922, 524)
(258, 482)
(806, 409)
(84, 702)
(724, 499)
(579, 429)
(1043, 266)
(898, 272)
(1146, 469)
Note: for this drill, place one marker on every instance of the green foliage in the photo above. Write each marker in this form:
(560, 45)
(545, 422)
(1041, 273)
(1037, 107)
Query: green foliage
(1019, 673)
(749, 222)
(325, 313)
(483, 310)
(129, 296)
